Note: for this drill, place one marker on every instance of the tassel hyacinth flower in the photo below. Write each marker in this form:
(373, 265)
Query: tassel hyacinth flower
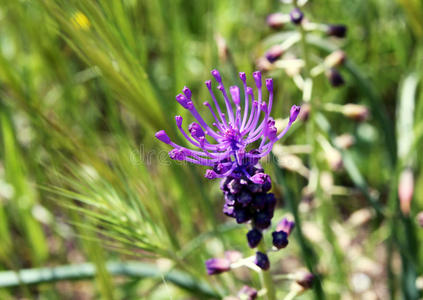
(226, 147)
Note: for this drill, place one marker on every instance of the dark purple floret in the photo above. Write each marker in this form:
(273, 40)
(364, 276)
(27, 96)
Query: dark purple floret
(306, 281)
(280, 239)
(262, 261)
(296, 16)
(337, 30)
(254, 237)
(242, 215)
(335, 78)
(217, 265)
(274, 53)
(247, 293)
(276, 20)
(259, 201)
(229, 210)
(262, 220)
(245, 198)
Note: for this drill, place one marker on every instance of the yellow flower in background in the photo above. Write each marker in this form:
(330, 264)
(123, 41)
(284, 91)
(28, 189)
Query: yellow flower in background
(80, 21)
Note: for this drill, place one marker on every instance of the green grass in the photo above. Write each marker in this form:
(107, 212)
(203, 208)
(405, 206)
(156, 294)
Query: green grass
(84, 85)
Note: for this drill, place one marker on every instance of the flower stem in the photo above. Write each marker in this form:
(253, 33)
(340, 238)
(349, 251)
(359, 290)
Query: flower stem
(266, 277)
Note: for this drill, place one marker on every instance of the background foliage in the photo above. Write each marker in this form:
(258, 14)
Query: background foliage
(85, 84)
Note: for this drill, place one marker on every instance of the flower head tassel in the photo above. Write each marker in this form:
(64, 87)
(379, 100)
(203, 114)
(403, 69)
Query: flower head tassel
(226, 149)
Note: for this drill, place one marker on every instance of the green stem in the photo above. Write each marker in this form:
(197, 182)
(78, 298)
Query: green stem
(266, 277)
(88, 270)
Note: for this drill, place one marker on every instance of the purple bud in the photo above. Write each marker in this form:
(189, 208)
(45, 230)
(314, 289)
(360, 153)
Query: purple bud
(234, 186)
(162, 136)
(280, 239)
(296, 16)
(178, 120)
(262, 261)
(295, 110)
(247, 293)
(242, 215)
(196, 130)
(217, 265)
(242, 76)
(183, 100)
(210, 174)
(262, 220)
(208, 84)
(187, 92)
(229, 210)
(229, 198)
(177, 154)
(263, 107)
(269, 84)
(337, 30)
(257, 78)
(259, 201)
(274, 53)
(245, 198)
(276, 20)
(254, 237)
(286, 226)
(215, 73)
(335, 78)
(306, 281)
(259, 178)
(234, 90)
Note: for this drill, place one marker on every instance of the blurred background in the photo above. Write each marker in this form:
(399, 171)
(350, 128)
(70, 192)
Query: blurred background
(84, 85)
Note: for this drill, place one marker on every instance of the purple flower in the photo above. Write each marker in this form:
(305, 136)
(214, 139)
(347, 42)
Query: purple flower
(336, 30)
(247, 293)
(217, 265)
(262, 261)
(254, 237)
(280, 239)
(296, 16)
(286, 226)
(222, 146)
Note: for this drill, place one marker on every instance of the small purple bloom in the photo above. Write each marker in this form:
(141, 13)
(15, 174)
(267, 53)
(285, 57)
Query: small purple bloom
(254, 237)
(286, 226)
(276, 20)
(262, 220)
(280, 239)
(337, 30)
(232, 131)
(274, 53)
(296, 16)
(247, 293)
(217, 265)
(335, 78)
(262, 261)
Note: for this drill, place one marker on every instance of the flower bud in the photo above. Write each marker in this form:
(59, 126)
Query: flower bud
(356, 112)
(296, 16)
(280, 239)
(254, 237)
(276, 20)
(247, 293)
(262, 261)
(274, 53)
(406, 190)
(163, 137)
(286, 226)
(344, 141)
(306, 281)
(217, 265)
(336, 30)
(335, 78)
(335, 59)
